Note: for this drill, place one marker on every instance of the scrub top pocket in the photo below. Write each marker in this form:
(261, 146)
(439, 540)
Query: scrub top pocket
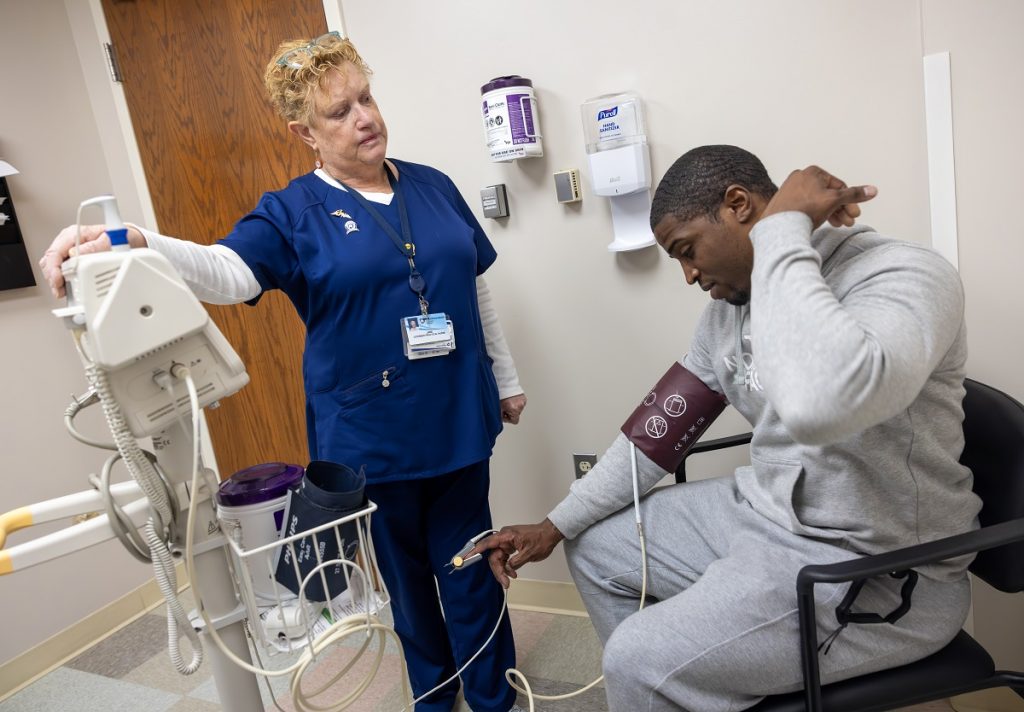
(388, 380)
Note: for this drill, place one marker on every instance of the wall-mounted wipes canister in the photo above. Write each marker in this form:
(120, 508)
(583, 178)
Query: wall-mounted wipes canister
(511, 122)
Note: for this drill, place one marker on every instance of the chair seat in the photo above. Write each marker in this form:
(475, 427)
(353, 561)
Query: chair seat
(955, 667)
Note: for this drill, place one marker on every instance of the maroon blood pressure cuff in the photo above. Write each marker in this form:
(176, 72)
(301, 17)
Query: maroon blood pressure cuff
(673, 416)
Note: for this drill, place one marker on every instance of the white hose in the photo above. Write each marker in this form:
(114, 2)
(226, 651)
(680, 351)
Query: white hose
(512, 674)
(134, 458)
(494, 631)
(177, 619)
(126, 531)
(145, 474)
(350, 625)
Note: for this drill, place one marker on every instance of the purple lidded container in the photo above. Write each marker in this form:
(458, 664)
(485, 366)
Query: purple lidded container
(251, 508)
(258, 484)
(512, 80)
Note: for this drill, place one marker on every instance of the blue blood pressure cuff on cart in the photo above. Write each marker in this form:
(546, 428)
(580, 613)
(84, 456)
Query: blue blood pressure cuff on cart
(675, 413)
(328, 492)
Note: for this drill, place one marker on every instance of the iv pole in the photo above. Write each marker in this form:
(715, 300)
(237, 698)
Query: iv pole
(214, 586)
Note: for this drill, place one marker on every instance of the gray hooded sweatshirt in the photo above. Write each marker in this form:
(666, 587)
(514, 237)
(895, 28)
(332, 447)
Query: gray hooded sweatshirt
(849, 366)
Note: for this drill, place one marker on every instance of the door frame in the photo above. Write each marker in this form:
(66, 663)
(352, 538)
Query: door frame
(106, 97)
(117, 134)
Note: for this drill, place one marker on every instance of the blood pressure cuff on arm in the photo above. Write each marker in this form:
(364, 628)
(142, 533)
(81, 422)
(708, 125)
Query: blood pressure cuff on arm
(673, 416)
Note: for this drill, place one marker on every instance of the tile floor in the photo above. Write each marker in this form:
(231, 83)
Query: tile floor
(131, 671)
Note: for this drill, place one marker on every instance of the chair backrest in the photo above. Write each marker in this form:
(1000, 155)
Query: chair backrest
(994, 450)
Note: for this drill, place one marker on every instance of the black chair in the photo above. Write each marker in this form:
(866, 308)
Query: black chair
(994, 450)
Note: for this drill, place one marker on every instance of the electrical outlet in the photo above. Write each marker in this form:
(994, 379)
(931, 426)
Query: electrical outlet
(583, 463)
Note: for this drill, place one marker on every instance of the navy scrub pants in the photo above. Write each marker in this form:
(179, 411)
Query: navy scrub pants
(418, 526)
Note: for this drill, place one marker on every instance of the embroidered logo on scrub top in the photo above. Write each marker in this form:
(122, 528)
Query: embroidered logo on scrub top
(350, 224)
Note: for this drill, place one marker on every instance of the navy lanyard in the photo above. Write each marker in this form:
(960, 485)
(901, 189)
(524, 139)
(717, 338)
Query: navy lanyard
(404, 243)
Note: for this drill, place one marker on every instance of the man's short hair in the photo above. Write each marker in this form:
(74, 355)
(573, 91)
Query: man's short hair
(695, 184)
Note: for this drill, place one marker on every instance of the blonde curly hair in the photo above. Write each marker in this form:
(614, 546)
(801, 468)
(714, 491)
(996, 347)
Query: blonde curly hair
(291, 90)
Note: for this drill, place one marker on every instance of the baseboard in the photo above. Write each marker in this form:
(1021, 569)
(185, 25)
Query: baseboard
(998, 699)
(525, 595)
(546, 597)
(53, 652)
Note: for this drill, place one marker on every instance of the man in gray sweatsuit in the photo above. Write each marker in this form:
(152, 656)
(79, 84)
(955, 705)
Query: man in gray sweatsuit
(845, 351)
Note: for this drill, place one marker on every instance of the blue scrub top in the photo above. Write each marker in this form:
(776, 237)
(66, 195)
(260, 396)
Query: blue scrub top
(351, 288)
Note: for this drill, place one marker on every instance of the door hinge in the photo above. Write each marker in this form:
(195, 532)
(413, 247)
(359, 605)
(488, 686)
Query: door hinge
(112, 65)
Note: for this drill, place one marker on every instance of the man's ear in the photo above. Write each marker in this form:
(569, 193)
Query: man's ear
(303, 132)
(740, 202)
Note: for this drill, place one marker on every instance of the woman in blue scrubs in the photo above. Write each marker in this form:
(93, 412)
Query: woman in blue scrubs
(359, 245)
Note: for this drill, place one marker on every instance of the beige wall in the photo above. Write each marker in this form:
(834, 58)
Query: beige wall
(836, 83)
(49, 132)
(796, 82)
(591, 331)
(986, 58)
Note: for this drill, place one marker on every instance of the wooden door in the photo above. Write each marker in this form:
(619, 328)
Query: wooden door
(211, 145)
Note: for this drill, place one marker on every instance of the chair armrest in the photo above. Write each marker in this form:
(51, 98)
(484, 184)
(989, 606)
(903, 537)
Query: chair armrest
(708, 446)
(911, 556)
(719, 443)
(877, 565)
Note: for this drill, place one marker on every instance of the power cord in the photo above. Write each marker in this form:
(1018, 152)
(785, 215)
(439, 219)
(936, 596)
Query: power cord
(78, 404)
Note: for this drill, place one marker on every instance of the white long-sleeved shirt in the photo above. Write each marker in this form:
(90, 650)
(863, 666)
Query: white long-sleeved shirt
(218, 275)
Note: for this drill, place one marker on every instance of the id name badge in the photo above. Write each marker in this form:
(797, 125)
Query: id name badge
(425, 336)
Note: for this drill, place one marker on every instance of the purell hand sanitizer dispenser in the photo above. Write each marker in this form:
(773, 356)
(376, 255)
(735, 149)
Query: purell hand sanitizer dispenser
(620, 165)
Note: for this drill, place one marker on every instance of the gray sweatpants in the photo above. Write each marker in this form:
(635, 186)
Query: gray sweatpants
(720, 630)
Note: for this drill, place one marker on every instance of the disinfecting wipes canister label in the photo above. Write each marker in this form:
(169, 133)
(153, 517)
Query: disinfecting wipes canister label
(510, 125)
